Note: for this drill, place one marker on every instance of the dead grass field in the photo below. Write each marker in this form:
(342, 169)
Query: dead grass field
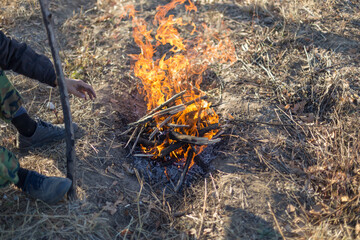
(288, 166)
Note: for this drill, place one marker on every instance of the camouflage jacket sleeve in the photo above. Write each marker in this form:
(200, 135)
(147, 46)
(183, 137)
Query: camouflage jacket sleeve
(22, 59)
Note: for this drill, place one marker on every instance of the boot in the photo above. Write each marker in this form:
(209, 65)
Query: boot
(44, 134)
(48, 189)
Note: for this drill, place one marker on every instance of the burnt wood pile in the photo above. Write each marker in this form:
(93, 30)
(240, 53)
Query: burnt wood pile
(147, 133)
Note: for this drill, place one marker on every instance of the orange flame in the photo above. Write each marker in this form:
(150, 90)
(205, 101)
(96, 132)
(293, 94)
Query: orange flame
(180, 68)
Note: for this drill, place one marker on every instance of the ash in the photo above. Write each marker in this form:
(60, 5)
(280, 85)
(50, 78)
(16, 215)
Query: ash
(154, 171)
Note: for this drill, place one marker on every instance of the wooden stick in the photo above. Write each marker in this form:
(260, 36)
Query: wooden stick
(196, 100)
(199, 161)
(153, 113)
(177, 145)
(191, 139)
(166, 103)
(70, 139)
(127, 131)
(143, 155)
(154, 132)
(264, 123)
(132, 136)
(171, 110)
(185, 170)
(137, 139)
(208, 129)
(172, 147)
(141, 140)
(177, 125)
(157, 129)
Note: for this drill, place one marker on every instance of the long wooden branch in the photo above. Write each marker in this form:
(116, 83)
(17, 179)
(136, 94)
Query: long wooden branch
(70, 139)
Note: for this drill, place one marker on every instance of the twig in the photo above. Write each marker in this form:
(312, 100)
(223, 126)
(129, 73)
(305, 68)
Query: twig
(208, 129)
(196, 100)
(143, 155)
(154, 132)
(70, 138)
(137, 139)
(198, 160)
(191, 139)
(170, 148)
(132, 136)
(178, 125)
(170, 100)
(265, 123)
(127, 131)
(157, 129)
(276, 221)
(141, 140)
(215, 189)
(171, 110)
(185, 170)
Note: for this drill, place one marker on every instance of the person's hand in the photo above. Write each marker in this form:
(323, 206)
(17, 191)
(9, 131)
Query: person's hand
(80, 88)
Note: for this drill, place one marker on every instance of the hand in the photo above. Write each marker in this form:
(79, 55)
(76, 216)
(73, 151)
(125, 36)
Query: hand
(80, 88)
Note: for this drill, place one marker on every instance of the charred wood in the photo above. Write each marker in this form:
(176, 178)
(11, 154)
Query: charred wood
(185, 170)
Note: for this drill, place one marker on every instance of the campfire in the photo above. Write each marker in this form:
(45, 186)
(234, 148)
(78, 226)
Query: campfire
(180, 122)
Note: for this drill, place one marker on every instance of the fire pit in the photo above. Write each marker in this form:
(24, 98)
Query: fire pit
(180, 123)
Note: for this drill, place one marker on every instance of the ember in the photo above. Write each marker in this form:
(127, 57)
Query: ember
(180, 123)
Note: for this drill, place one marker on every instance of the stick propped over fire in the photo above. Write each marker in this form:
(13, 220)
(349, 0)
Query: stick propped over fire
(180, 122)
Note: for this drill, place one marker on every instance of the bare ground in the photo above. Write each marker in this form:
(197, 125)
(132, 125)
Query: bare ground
(288, 163)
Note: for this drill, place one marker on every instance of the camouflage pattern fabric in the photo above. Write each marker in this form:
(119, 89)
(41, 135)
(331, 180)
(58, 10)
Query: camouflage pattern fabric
(9, 166)
(10, 102)
(10, 99)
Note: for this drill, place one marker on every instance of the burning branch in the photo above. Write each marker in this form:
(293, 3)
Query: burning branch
(191, 139)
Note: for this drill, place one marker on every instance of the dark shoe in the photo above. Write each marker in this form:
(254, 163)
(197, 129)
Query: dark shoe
(48, 189)
(44, 133)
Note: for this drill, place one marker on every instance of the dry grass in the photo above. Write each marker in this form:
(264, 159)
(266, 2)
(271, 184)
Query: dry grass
(289, 167)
